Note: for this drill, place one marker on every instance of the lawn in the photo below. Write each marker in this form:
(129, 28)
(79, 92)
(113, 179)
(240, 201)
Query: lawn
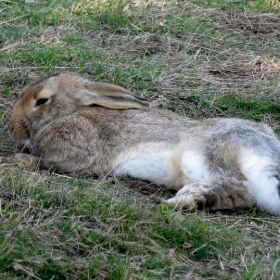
(201, 59)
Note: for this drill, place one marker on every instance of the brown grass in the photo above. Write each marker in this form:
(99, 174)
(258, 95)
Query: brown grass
(190, 62)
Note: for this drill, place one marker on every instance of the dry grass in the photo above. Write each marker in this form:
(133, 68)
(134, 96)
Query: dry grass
(194, 59)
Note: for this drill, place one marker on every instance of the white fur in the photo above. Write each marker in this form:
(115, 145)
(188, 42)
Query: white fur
(151, 162)
(163, 164)
(261, 183)
(194, 167)
(27, 143)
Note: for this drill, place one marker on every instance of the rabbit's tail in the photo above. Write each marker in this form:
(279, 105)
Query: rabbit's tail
(263, 181)
(267, 191)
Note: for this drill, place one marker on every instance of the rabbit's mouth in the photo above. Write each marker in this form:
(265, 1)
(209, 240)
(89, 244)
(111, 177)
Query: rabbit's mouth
(20, 132)
(27, 143)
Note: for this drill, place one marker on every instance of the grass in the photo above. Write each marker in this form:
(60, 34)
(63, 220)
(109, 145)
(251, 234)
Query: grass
(198, 58)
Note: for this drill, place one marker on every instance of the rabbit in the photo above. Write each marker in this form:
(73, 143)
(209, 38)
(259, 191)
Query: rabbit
(71, 124)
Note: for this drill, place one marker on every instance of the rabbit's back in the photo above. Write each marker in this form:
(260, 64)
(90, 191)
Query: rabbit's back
(93, 139)
(90, 140)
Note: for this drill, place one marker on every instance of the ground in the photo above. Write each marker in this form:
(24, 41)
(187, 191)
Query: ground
(198, 58)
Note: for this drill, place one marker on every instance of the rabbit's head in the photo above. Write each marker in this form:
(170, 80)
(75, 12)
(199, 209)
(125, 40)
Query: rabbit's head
(60, 94)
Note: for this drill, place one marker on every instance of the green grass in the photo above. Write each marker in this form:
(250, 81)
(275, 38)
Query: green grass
(81, 220)
(198, 58)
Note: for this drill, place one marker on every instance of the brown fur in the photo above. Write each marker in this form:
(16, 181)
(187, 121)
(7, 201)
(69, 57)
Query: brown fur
(85, 127)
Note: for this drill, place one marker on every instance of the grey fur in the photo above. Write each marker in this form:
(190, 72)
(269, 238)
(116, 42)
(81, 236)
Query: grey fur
(72, 137)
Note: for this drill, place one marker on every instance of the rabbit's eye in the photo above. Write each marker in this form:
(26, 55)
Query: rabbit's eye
(41, 101)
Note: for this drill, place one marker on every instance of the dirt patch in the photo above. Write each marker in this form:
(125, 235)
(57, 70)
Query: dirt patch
(128, 42)
(148, 188)
(151, 43)
(245, 72)
(231, 71)
(252, 25)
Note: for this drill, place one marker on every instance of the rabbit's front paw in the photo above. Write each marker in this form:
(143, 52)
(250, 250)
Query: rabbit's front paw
(29, 161)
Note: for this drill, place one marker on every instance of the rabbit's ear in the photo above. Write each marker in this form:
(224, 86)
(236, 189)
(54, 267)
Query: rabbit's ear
(110, 96)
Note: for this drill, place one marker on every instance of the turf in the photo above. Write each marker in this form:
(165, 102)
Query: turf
(198, 58)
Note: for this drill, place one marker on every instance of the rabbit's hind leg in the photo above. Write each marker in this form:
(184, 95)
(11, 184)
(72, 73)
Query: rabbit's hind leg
(263, 177)
(227, 194)
(191, 196)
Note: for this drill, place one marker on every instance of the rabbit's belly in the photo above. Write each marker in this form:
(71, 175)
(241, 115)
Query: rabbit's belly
(163, 164)
(152, 162)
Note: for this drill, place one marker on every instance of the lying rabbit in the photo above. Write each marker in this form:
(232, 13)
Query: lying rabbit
(74, 125)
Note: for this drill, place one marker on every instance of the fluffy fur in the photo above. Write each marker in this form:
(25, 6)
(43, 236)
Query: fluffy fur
(74, 125)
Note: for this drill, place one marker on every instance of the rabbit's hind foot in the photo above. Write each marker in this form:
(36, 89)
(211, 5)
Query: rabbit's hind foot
(225, 194)
(193, 196)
